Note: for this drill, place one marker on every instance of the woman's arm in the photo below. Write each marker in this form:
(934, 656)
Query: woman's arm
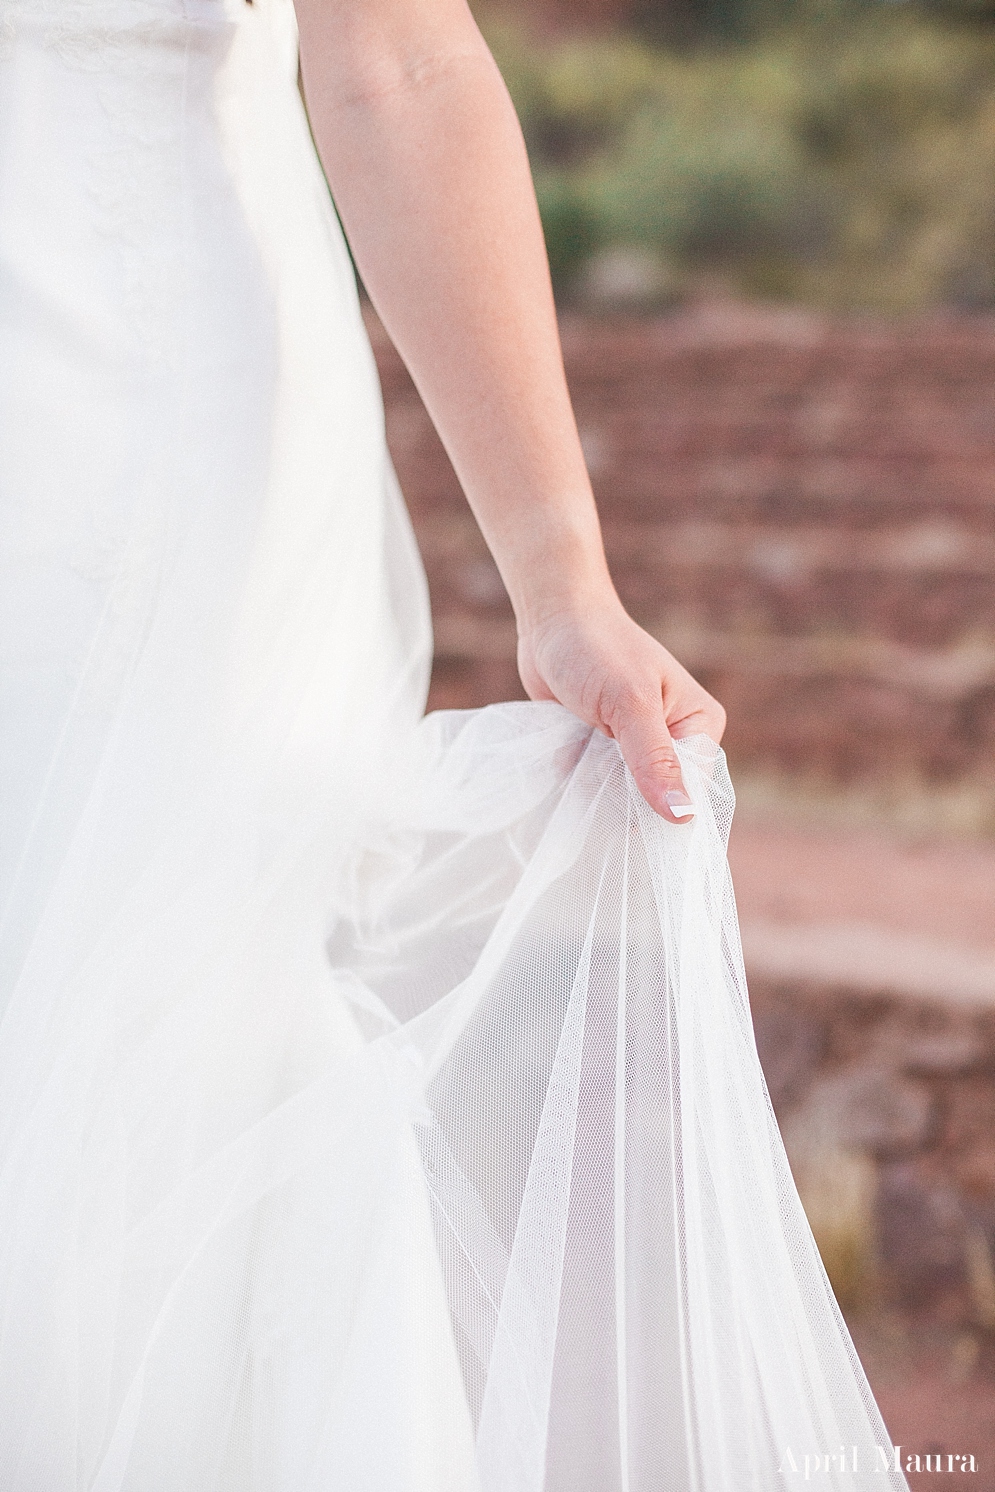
(425, 157)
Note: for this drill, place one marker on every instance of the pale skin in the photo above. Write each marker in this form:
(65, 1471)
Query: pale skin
(426, 160)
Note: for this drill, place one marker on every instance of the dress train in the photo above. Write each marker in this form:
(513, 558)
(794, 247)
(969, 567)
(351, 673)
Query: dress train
(379, 1108)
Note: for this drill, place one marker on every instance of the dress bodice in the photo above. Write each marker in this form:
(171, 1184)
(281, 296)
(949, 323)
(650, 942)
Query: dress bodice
(141, 111)
(90, 33)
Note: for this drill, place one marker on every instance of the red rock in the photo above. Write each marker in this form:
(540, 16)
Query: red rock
(802, 508)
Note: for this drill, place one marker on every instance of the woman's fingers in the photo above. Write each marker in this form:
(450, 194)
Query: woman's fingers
(649, 753)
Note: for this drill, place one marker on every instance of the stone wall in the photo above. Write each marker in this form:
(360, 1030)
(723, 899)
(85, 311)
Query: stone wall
(802, 508)
(887, 1105)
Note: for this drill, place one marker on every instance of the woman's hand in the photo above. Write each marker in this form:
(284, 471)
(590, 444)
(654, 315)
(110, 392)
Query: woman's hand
(604, 668)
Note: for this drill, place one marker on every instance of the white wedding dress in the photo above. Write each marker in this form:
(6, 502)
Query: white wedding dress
(379, 1108)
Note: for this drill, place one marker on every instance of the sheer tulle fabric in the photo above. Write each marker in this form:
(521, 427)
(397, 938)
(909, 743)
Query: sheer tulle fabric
(378, 1101)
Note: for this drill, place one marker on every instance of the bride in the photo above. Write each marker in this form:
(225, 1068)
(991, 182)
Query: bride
(379, 1109)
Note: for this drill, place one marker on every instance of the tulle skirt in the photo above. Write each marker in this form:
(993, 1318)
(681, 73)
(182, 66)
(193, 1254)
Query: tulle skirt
(379, 1107)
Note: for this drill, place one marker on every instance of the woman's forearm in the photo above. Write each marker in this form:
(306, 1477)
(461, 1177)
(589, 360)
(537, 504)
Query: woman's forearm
(426, 160)
(428, 167)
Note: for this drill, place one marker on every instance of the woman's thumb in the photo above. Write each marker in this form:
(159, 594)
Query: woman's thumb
(649, 753)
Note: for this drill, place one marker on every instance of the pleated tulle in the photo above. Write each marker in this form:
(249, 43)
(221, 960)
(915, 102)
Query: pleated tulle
(379, 1108)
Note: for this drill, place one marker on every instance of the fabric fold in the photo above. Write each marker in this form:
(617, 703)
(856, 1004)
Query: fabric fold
(379, 1107)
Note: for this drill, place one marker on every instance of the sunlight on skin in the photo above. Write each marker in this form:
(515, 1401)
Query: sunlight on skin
(426, 159)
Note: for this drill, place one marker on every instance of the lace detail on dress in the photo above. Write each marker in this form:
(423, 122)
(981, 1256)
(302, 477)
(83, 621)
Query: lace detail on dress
(98, 32)
(152, 64)
(149, 66)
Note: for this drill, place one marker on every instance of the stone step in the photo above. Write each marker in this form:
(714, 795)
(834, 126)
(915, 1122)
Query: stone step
(825, 710)
(802, 508)
(925, 583)
(746, 414)
(862, 957)
(871, 962)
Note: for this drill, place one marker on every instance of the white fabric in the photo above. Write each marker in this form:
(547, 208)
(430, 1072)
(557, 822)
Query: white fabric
(487, 1195)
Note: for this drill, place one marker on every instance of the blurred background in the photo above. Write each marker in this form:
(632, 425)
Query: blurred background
(771, 230)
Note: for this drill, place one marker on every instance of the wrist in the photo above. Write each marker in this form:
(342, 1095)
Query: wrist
(574, 593)
(562, 573)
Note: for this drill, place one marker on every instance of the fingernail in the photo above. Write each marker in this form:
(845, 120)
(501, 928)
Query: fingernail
(679, 803)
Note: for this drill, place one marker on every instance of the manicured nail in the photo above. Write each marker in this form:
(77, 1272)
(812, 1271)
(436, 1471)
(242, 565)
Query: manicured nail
(679, 803)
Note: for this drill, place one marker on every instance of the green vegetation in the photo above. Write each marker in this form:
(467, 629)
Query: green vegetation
(830, 151)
